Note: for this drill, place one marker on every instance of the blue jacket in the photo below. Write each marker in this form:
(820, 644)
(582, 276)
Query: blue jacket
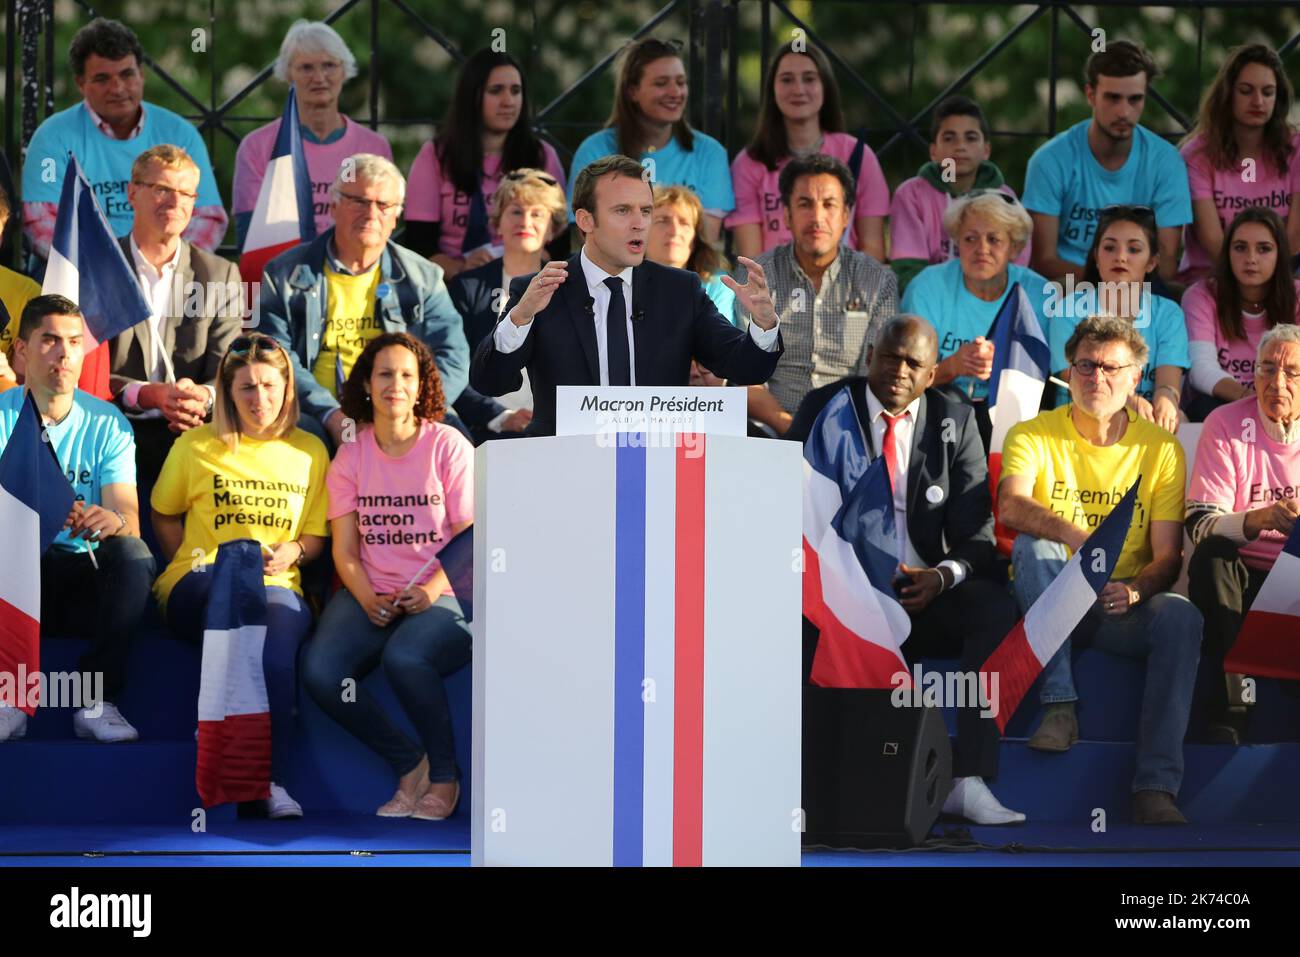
(293, 306)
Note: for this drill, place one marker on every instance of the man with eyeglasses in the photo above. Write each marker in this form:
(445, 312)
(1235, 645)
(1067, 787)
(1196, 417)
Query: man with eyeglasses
(325, 300)
(163, 370)
(1241, 507)
(107, 131)
(1103, 161)
(1062, 473)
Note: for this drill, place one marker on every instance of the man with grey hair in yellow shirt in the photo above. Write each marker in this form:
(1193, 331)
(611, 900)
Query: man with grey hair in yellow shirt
(1062, 473)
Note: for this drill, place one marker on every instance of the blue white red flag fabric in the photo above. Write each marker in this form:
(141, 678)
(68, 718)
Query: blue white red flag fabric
(88, 266)
(457, 560)
(1269, 642)
(1025, 651)
(283, 216)
(35, 499)
(1021, 366)
(850, 556)
(234, 760)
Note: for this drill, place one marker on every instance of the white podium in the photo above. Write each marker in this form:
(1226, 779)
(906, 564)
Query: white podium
(637, 652)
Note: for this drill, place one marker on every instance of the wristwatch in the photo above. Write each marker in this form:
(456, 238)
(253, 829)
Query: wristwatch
(302, 553)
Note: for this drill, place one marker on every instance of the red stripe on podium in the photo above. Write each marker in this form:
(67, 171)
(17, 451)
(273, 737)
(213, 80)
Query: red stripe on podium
(688, 710)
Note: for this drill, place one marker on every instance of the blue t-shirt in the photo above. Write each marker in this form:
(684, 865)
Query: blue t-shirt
(703, 169)
(106, 161)
(939, 294)
(1065, 180)
(722, 297)
(94, 444)
(1160, 321)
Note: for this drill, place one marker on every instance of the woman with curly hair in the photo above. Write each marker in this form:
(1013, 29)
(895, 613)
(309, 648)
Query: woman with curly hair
(398, 493)
(1240, 153)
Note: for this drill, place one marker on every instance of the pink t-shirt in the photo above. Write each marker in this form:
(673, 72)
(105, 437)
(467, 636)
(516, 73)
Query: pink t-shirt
(405, 506)
(916, 223)
(431, 197)
(323, 162)
(1236, 358)
(1239, 467)
(1231, 194)
(758, 197)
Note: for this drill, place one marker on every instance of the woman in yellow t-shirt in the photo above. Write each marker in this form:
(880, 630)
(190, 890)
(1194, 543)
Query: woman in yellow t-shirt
(253, 474)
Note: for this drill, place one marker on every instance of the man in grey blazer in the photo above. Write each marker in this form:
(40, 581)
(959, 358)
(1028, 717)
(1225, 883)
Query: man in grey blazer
(164, 369)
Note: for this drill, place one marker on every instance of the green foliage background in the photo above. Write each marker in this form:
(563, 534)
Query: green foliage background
(907, 52)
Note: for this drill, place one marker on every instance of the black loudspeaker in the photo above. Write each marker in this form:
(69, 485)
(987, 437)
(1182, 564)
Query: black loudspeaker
(874, 775)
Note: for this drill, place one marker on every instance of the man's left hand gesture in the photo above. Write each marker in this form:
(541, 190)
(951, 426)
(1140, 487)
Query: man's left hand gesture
(753, 295)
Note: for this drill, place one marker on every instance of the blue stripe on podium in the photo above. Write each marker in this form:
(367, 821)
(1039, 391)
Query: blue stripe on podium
(629, 651)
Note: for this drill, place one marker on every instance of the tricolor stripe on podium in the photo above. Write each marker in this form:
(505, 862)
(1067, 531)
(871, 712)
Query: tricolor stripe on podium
(659, 654)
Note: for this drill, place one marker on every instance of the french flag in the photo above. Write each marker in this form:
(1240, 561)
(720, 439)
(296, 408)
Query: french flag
(35, 499)
(1021, 361)
(850, 545)
(234, 760)
(1025, 651)
(1269, 642)
(88, 266)
(283, 216)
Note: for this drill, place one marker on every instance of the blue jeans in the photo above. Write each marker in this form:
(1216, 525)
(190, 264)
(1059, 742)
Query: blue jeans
(1164, 630)
(287, 620)
(417, 653)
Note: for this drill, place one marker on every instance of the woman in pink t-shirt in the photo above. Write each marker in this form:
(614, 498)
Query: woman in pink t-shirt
(801, 114)
(486, 134)
(1250, 292)
(314, 58)
(1242, 152)
(399, 492)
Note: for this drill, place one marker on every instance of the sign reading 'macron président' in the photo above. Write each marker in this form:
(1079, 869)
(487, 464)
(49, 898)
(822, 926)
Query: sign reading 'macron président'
(653, 410)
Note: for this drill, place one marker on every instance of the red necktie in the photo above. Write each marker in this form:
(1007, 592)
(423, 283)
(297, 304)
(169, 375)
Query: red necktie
(888, 450)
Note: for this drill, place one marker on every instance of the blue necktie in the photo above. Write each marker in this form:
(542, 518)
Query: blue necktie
(620, 363)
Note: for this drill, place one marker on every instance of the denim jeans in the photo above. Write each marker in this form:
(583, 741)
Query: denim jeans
(104, 604)
(417, 653)
(287, 620)
(1164, 630)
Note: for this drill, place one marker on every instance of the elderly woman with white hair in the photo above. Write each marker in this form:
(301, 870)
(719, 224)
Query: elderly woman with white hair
(961, 297)
(327, 299)
(316, 62)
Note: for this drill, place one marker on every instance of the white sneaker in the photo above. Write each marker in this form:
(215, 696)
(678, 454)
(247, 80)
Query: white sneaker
(971, 799)
(13, 723)
(280, 805)
(109, 726)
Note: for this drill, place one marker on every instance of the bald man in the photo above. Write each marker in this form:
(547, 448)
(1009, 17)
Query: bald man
(947, 579)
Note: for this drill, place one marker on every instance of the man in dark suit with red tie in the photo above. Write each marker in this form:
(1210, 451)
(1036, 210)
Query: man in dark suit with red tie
(609, 317)
(947, 578)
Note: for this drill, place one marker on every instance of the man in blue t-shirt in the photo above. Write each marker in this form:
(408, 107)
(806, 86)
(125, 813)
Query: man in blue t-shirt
(107, 130)
(1105, 161)
(95, 578)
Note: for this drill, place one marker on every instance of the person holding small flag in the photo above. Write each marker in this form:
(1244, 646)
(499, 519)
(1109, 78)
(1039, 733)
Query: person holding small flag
(95, 577)
(1062, 474)
(1241, 510)
(399, 494)
(946, 577)
(249, 474)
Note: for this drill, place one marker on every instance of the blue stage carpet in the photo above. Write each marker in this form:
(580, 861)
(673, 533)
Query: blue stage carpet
(350, 840)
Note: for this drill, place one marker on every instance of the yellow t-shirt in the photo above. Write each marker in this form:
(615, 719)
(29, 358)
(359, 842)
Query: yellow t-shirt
(350, 323)
(1082, 482)
(16, 290)
(270, 490)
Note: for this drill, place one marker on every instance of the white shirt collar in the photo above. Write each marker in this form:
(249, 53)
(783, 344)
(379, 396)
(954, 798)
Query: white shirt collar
(596, 276)
(103, 126)
(875, 409)
(147, 266)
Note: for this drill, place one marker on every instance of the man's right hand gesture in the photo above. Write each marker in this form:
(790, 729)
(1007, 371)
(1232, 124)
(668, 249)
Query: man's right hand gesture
(539, 292)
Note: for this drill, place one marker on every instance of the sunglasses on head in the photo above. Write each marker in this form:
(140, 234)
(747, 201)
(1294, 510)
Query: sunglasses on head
(1124, 210)
(516, 175)
(1009, 200)
(256, 343)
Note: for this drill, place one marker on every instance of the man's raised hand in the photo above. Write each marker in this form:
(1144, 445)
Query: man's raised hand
(539, 292)
(753, 295)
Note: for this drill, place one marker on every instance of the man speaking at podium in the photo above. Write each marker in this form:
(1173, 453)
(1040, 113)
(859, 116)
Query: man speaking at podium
(608, 317)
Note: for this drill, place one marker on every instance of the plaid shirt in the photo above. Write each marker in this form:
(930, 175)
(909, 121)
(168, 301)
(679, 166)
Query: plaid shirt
(826, 332)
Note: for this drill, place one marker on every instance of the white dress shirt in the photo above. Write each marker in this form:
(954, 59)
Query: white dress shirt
(903, 452)
(508, 337)
(156, 284)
